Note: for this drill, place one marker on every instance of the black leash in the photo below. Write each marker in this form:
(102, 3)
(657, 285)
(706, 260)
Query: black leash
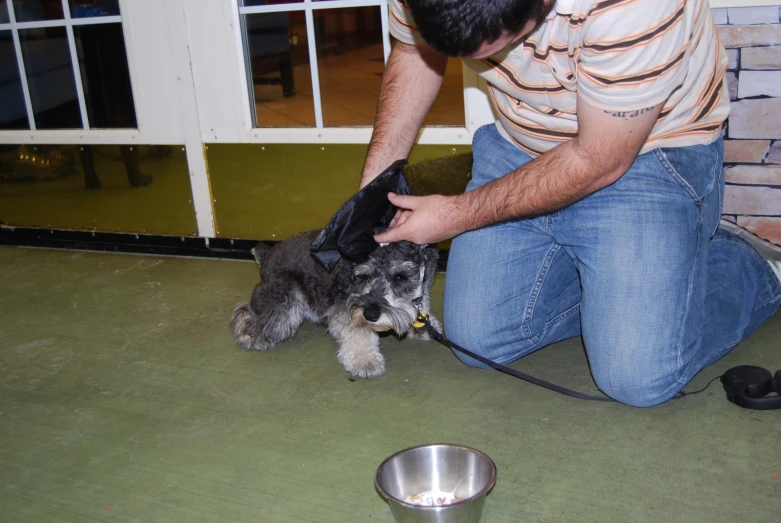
(422, 321)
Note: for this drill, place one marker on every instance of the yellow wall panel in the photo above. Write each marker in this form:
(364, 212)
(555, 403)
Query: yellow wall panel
(106, 188)
(273, 191)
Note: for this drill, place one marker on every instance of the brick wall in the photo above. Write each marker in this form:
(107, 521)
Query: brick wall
(752, 36)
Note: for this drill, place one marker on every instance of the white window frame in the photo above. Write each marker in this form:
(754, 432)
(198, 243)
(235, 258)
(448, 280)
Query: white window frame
(221, 80)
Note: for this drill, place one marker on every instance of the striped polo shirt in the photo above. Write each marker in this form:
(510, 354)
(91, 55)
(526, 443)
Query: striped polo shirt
(617, 55)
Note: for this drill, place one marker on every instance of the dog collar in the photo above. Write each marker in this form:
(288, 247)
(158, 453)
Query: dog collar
(422, 319)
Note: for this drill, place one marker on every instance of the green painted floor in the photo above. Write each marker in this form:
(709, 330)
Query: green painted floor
(122, 398)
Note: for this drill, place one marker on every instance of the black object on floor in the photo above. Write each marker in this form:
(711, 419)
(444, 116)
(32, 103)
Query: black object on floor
(748, 386)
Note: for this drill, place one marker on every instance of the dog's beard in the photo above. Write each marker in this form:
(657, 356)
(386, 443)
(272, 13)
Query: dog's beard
(397, 314)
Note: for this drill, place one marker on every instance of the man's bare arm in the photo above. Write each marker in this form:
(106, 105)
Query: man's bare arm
(606, 145)
(603, 151)
(411, 82)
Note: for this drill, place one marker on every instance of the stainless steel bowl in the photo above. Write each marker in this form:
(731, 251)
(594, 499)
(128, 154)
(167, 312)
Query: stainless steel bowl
(463, 471)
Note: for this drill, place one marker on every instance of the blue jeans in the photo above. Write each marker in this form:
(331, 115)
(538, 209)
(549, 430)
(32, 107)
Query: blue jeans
(639, 269)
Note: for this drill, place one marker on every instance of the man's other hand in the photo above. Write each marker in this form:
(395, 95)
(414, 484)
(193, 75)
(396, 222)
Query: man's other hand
(422, 219)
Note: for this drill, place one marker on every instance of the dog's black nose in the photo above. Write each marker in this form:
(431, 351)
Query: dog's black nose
(371, 313)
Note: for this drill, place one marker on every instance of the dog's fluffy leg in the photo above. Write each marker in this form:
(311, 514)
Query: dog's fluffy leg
(359, 347)
(277, 317)
(244, 326)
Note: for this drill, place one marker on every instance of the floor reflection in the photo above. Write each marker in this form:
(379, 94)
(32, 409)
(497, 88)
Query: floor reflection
(118, 188)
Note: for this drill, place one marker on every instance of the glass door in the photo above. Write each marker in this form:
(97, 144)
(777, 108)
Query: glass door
(98, 125)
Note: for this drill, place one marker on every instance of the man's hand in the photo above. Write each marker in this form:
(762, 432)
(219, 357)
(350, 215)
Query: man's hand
(422, 219)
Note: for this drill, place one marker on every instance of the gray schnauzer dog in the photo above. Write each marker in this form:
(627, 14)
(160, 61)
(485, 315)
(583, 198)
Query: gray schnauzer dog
(356, 301)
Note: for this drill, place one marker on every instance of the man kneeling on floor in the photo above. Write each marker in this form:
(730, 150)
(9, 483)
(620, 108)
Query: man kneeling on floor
(595, 200)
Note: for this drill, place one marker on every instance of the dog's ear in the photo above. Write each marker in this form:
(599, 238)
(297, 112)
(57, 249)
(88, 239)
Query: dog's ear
(260, 252)
(430, 257)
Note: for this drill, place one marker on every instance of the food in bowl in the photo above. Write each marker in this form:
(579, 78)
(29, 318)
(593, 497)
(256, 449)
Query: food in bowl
(433, 498)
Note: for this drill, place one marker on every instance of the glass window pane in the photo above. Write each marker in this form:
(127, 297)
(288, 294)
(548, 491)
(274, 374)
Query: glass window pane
(33, 10)
(105, 76)
(3, 12)
(91, 8)
(350, 58)
(50, 78)
(350, 64)
(13, 113)
(280, 75)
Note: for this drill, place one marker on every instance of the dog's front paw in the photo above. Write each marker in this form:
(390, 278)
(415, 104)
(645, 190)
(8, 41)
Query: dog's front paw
(419, 334)
(365, 365)
(359, 349)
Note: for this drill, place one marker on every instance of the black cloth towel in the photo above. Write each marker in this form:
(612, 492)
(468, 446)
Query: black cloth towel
(350, 233)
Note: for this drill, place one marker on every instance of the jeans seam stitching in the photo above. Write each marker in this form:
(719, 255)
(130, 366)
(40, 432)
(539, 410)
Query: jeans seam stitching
(665, 163)
(720, 181)
(768, 301)
(536, 292)
(480, 130)
(564, 315)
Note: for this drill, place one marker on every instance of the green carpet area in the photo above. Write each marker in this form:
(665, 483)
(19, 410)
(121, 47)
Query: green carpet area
(124, 399)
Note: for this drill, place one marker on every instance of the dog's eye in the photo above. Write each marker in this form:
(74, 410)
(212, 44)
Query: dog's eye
(398, 278)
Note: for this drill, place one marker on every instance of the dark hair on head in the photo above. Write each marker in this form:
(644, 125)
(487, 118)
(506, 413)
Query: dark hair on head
(460, 27)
